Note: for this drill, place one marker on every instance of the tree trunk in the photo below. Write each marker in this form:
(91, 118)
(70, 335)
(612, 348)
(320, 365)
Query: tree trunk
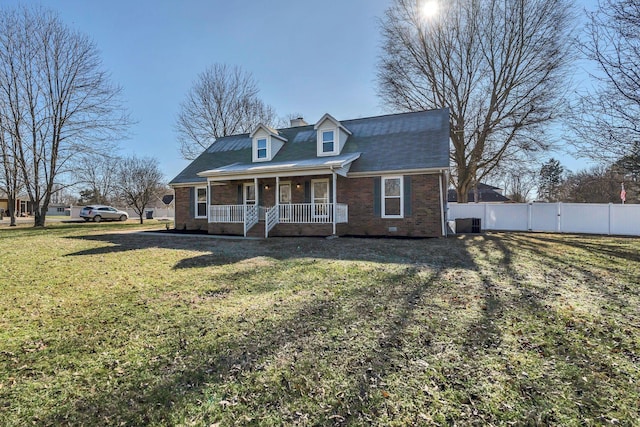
(462, 189)
(39, 217)
(141, 220)
(11, 204)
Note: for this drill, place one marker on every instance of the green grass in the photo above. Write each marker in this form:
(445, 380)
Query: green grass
(103, 327)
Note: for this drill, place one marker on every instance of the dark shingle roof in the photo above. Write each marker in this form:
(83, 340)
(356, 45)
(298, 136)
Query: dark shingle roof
(418, 140)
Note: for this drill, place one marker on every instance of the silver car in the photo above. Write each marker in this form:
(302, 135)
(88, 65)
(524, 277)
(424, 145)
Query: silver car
(99, 213)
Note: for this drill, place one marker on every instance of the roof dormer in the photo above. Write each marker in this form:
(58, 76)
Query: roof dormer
(266, 142)
(331, 136)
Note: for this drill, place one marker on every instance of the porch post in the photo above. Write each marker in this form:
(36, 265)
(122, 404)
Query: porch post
(257, 190)
(208, 200)
(278, 193)
(335, 201)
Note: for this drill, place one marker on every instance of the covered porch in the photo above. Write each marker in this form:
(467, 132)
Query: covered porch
(254, 199)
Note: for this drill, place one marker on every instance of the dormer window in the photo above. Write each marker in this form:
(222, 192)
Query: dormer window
(328, 141)
(261, 147)
(266, 143)
(331, 136)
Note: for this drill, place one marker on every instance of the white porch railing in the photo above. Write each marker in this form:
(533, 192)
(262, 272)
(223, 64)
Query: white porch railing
(271, 220)
(292, 213)
(313, 213)
(226, 213)
(251, 217)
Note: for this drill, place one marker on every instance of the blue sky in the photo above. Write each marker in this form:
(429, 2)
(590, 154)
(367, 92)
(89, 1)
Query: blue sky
(308, 57)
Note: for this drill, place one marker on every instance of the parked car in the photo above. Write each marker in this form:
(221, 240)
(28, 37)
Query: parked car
(99, 213)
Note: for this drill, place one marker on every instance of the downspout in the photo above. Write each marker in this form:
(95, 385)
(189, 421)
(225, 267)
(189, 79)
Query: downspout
(443, 202)
(277, 204)
(335, 199)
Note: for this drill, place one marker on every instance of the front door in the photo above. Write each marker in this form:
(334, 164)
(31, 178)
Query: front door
(285, 201)
(249, 194)
(320, 197)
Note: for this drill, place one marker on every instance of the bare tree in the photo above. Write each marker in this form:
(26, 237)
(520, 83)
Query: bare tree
(96, 175)
(223, 101)
(518, 183)
(607, 119)
(139, 182)
(10, 178)
(498, 65)
(599, 184)
(57, 102)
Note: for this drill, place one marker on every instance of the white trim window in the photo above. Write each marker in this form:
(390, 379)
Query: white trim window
(201, 202)
(328, 141)
(262, 152)
(392, 197)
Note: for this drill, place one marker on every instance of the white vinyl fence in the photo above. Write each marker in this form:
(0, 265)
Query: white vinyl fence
(591, 218)
(157, 212)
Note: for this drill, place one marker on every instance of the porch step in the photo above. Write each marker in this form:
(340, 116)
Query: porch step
(257, 230)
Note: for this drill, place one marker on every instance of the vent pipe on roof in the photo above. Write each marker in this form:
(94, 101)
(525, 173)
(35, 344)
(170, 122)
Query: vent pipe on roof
(299, 121)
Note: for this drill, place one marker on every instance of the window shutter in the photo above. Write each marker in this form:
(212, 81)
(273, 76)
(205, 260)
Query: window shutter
(377, 195)
(192, 202)
(261, 195)
(307, 192)
(407, 196)
(240, 199)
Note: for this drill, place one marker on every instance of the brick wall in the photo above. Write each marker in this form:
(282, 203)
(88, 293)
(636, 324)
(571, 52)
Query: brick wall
(228, 229)
(184, 211)
(423, 221)
(283, 230)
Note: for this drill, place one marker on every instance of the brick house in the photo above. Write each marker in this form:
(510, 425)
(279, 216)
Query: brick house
(374, 176)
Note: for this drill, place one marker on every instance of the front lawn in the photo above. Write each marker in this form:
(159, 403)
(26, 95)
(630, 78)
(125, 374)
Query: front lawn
(100, 326)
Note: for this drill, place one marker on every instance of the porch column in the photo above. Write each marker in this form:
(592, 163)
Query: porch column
(278, 194)
(257, 190)
(335, 201)
(208, 200)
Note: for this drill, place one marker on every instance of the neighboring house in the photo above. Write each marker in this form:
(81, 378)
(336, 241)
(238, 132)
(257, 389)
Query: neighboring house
(375, 176)
(486, 194)
(23, 205)
(58, 209)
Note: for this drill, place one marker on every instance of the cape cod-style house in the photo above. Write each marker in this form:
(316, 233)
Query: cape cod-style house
(374, 176)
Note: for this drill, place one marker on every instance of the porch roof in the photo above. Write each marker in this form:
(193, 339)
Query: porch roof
(339, 164)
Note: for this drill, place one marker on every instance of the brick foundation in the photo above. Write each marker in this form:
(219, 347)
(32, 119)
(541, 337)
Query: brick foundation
(226, 229)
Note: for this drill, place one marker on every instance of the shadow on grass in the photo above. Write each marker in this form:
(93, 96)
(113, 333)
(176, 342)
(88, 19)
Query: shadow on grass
(208, 371)
(576, 268)
(218, 252)
(214, 367)
(553, 340)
